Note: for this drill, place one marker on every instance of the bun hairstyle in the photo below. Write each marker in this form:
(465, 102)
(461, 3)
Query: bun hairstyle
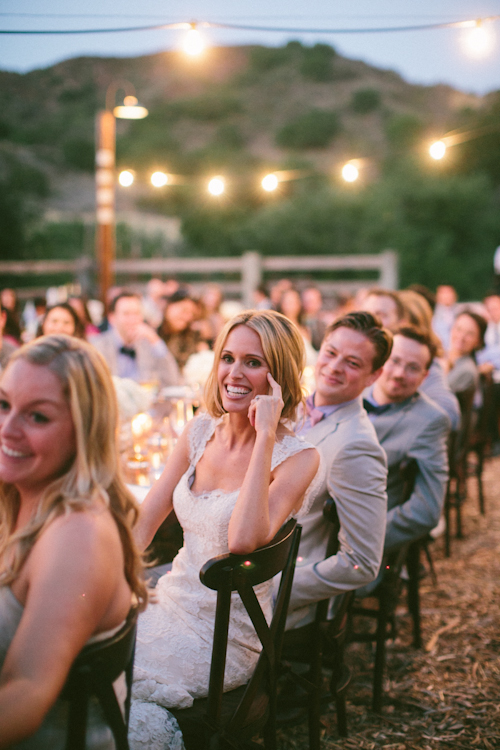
(284, 352)
(94, 474)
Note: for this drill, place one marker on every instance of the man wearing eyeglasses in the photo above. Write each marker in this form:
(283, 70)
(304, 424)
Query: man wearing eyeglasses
(410, 426)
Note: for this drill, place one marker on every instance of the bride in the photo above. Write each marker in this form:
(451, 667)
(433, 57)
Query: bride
(235, 476)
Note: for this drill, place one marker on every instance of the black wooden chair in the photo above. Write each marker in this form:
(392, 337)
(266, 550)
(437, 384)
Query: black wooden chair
(319, 644)
(386, 596)
(458, 447)
(92, 676)
(231, 719)
(480, 438)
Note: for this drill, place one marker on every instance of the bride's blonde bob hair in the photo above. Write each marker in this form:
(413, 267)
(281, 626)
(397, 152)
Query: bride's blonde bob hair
(94, 473)
(284, 352)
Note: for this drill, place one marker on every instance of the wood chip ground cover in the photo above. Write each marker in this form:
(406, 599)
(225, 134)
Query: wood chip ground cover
(446, 695)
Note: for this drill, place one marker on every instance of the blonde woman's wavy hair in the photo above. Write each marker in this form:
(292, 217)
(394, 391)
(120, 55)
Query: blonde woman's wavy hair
(284, 352)
(95, 471)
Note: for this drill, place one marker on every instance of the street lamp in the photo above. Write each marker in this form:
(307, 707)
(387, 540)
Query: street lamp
(105, 178)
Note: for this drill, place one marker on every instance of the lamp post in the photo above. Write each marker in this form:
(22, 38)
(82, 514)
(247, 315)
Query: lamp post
(105, 180)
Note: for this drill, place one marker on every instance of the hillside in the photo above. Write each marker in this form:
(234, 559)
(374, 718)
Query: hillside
(242, 112)
(240, 109)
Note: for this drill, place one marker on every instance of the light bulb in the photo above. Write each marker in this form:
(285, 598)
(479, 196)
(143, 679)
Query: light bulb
(216, 186)
(438, 150)
(270, 182)
(350, 173)
(479, 41)
(126, 178)
(159, 179)
(193, 43)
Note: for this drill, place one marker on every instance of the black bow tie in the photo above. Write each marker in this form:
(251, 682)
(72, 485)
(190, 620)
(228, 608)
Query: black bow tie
(128, 351)
(373, 408)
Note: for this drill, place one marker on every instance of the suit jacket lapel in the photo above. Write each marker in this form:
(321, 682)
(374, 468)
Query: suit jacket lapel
(328, 425)
(386, 423)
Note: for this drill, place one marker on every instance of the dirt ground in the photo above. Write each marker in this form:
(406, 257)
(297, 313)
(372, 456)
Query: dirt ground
(446, 695)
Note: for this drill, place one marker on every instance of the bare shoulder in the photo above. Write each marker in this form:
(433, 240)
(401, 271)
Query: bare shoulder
(88, 534)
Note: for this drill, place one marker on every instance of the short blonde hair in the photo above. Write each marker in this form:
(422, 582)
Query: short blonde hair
(284, 352)
(95, 470)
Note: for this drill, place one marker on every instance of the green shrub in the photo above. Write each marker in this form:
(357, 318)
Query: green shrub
(317, 62)
(206, 108)
(263, 59)
(79, 153)
(313, 129)
(403, 131)
(229, 136)
(365, 100)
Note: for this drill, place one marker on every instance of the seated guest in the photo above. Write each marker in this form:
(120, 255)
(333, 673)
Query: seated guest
(466, 337)
(291, 306)
(386, 305)
(68, 564)
(409, 425)
(6, 347)
(235, 476)
(444, 313)
(79, 305)
(131, 348)
(350, 359)
(10, 303)
(61, 318)
(312, 305)
(418, 313)
(176, 328)
(398, 308)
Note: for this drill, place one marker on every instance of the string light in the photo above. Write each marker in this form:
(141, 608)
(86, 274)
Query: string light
(437, 150)
(159, 179)
(126, 178)
(270, 182)
(479, 40)
(193, 43)
(216, 186)
(350, 172)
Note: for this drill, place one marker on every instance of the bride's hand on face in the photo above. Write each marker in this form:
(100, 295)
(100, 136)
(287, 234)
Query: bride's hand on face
(265, 411)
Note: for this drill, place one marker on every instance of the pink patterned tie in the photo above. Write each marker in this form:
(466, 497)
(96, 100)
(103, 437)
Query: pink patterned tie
(315, 415)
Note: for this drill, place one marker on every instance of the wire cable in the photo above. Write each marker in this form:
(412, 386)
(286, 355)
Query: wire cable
(247, 27)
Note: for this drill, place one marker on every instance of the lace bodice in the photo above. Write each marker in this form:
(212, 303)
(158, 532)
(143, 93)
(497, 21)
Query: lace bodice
(174, 642)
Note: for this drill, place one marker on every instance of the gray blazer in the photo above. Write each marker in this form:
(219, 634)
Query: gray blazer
(150, 364)
(356, 475)
(416, 428)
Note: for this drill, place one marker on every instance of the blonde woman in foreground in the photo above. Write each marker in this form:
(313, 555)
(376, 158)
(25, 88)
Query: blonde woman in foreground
(236, 475)
(69, 568)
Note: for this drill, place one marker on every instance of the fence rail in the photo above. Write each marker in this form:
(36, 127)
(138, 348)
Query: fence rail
(252, 268)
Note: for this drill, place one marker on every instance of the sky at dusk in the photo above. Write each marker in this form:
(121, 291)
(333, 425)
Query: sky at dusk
(425, 57)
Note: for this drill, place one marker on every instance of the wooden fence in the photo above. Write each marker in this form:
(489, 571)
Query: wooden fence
(250, 269)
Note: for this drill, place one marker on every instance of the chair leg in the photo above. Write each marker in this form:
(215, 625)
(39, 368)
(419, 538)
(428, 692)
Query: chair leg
(447, 518)
(412, 564)
(378, 670)
(315, 699)
(339, 689)
(479, 475)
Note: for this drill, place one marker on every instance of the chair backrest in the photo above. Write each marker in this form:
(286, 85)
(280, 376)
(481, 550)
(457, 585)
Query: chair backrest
(394, 559)
(228, 573)
(337, 624)
(466, 401)
(92, 675)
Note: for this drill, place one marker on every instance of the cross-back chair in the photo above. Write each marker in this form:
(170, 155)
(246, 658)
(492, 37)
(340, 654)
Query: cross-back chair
(319, 644)
(91, 677)
(231, 719)
(386, 594)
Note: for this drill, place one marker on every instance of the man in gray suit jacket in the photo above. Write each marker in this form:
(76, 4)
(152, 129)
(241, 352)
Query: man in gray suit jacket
(131, 348)
(352, 354)
(410, 426)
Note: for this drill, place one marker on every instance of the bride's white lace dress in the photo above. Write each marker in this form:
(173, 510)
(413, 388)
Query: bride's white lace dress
(175, 633)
